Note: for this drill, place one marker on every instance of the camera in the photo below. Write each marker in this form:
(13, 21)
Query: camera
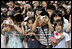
(42, 17)
(8, 21)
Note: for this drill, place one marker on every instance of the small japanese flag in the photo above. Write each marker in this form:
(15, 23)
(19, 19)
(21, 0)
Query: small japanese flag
(57, 35)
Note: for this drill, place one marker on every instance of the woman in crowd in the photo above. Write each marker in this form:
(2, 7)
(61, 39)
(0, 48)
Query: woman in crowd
(32, 41)
(44, 30)
(62, 38)
(35, 4)
(44, 4)
(12, 34)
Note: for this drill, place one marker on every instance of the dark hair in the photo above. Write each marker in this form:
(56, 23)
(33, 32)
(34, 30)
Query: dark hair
(18, 18)
(52, 7)
(57, 13)
(40, 8)
(59, 22)
(30, 19)
(66, 16)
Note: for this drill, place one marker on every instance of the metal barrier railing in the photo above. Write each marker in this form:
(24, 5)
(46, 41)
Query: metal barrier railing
(31, 34)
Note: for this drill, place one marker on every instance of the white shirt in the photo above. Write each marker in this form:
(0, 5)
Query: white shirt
(65, 21)
(26, 18)
(67, 37)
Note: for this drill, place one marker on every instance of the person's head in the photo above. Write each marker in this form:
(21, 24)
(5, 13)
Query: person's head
(30, 22)
(68, 11)
(63, 11)
(18, 18)
(56, 2)
(8, 21)
(9, 18)
(50, 12)
(58, 26)
(44, 4)
(51, 2)
(28, 6)
(35, 3)
(56, 6)
(43, 21)
(39, 10)
(57, 16)
(50, 9)
(30, 13)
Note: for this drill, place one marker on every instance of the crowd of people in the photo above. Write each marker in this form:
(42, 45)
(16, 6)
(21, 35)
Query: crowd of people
(36, 24)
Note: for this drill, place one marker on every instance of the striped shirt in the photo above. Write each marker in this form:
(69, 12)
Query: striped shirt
(43, 39)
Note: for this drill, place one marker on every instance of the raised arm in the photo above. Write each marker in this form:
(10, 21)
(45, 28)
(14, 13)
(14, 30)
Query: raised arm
(68, 28)
(35, 24)
(22, 27)
(49, 24)
(15, 27)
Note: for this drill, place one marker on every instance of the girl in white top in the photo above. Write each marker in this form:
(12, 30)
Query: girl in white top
(62, 38)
